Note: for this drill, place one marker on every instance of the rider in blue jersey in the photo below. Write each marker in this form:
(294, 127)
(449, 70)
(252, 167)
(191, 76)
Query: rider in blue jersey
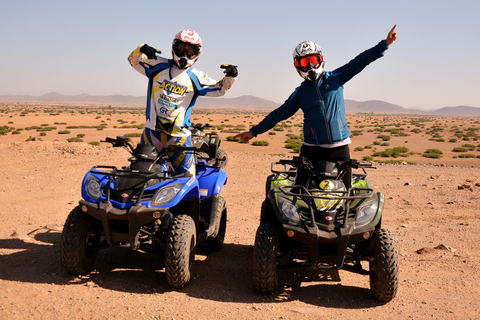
(173, 87)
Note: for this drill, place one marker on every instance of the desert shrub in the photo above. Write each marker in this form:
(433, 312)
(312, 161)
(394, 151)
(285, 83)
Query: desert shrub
(294, 136)
(74, 139)
(385, 144)
(357, 133)
(384, 137)
(64, 132)
(132, 126)
(295, 145)
(16, 132)
(376, 143)
(432, 153)
(43, 134)
(271, 133)
(30, 138)
(39, 129)
(466, 155)
(94, 143)
(133, 135)
(367, 158)
(260, 143)
(80, 135)
(231, 138)
(394, 152)
(470, 147)
(416, 130)
(358, 149)
(453, 140)
(368, 146)
(460, 149)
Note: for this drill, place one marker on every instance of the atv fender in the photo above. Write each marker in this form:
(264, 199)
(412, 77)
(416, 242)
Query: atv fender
(211, 181)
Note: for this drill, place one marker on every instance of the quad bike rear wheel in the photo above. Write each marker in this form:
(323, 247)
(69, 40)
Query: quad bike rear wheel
(81, 238)
(223, 156)
(265, 278)
(180, 251)
(384, 268)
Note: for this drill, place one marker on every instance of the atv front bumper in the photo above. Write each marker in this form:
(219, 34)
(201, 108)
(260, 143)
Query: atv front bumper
(136, 216)
(313, 237)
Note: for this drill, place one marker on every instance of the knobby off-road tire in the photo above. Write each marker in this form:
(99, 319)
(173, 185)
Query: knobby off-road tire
(265, 279)
(222, 154)
(180, 251)
(202, 156)
(384, 268)
(216, 243)
(80, 242)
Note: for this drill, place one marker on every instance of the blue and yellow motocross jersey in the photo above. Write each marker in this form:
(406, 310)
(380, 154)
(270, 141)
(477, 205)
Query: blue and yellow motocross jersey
(172, 92)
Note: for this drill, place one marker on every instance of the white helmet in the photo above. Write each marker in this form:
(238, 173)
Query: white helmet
(308, 60)
(186, 48)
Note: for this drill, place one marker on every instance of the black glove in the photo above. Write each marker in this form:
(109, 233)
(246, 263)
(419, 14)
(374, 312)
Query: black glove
(150, 52)
(230, 70)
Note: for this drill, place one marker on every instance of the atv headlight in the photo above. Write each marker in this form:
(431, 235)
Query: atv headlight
(366, 213)
(92, 187)
(166, 194)
(289, 210)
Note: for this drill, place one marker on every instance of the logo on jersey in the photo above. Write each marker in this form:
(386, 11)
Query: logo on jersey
(172, 87)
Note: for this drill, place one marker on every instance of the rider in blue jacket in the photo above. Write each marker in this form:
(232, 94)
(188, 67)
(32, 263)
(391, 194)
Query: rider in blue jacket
(320, 96)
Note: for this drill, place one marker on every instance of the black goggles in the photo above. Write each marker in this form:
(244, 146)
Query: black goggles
(188, 50)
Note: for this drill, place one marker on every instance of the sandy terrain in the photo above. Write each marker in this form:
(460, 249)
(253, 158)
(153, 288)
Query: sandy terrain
(432, 208)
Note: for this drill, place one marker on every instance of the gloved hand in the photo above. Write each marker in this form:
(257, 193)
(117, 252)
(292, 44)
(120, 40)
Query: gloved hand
(230, 70)
(149, 51)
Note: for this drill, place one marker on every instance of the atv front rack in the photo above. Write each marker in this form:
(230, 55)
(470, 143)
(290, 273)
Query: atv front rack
(142, 177)
(329, 194)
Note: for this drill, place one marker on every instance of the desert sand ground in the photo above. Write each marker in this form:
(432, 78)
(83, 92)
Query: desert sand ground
(432, 207)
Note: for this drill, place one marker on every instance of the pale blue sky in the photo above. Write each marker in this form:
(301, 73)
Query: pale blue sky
(75, 47)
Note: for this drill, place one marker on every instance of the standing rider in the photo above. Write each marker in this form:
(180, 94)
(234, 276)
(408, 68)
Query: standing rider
(320, 96)
(173, 87)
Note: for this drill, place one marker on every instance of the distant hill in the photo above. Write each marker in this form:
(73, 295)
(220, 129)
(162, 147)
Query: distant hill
(242, 102)
(460, 110)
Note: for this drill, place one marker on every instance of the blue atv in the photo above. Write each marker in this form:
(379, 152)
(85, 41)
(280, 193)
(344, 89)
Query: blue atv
(147, 206)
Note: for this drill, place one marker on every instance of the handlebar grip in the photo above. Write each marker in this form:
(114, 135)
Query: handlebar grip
(364, 164)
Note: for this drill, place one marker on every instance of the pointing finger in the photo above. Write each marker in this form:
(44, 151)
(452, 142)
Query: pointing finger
(393, 29)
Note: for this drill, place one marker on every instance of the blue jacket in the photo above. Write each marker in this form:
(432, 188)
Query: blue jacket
(322, 102)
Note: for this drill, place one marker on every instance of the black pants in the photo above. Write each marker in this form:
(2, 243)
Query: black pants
(315, 154)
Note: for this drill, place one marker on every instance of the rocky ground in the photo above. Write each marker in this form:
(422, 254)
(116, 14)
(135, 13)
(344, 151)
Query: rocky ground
(431, 207)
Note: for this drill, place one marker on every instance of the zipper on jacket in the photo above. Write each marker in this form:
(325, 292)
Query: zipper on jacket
(329, 135)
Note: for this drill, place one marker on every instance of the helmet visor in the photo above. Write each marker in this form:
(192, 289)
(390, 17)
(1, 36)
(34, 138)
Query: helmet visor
(188, 50)
(303, 63)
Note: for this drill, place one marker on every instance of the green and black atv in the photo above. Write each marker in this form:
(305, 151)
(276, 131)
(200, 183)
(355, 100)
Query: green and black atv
(324, 227)
(208, 145)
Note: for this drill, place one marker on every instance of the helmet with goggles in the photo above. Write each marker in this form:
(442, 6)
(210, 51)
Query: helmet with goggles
(186, 48)
(308, 60)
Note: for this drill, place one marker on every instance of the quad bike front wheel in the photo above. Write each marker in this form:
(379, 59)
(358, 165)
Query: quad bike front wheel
(265, 278)
(180, 251)
(81, 238)
(384, 268)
